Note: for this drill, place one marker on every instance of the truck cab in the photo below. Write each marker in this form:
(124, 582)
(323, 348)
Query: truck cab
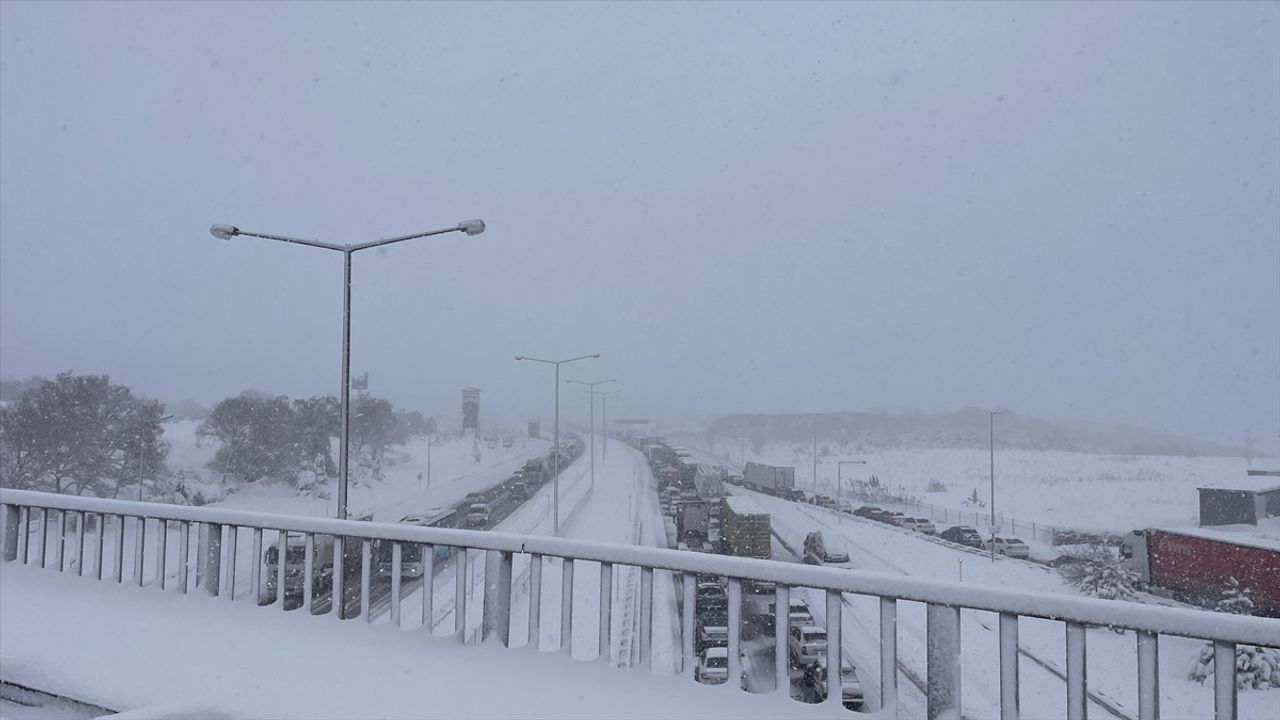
(478, 515)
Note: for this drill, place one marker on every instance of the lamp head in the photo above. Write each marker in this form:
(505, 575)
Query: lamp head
(471, 227)
(224, 232)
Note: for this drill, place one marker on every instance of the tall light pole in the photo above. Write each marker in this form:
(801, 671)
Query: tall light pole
(815, 453)
(226, 232)
(604, 425)
(591, 390)
(555, 448)
(992, 419)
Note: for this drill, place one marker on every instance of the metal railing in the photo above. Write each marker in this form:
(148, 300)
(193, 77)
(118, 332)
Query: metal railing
(86, 537)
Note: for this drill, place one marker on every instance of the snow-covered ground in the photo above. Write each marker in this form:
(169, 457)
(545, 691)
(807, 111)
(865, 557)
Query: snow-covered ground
(1081, 491)
(196, 656)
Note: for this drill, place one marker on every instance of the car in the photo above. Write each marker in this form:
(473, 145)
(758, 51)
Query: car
(1066, 559)
(479, 515)
(892, 517)
(807, 644)
(844, 505)
(919, 525)
(962, 535)
(798, 615)
(1011, 546)
(713, 665)
(868, 511)
(851, 695)
(711, 596)
(713, 629)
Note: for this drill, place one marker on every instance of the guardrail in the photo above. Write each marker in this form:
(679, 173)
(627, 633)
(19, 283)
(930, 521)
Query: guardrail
(944, 600)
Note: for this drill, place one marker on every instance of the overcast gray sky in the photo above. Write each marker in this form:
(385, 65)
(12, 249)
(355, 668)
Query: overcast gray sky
(1069, 210)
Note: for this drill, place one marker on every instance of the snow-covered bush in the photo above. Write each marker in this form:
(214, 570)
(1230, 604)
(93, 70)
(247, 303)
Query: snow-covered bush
(1257, 668)
(1235, 599)
(935, 486)
(1098, 572)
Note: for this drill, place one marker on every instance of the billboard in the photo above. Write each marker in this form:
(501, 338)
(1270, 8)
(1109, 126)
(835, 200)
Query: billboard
(470, 409)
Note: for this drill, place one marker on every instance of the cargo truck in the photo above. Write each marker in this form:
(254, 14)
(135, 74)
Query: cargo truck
(1195, 564)
(744, 528)
(770, 479)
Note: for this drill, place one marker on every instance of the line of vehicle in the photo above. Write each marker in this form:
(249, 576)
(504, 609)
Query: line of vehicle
(1101, 700)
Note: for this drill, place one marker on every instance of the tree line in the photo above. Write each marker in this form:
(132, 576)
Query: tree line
(85, 435)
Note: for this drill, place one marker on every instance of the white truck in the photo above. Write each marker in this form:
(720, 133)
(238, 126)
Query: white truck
(770, 479)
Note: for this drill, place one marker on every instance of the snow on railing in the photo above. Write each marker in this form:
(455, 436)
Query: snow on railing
(350, 543)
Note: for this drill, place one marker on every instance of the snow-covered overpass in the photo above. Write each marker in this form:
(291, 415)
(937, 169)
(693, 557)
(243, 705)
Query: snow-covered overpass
(150, 646)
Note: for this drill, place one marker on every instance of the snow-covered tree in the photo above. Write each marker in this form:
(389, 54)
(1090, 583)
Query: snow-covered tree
(1098, 572)
(81, 434)
(1257, 668)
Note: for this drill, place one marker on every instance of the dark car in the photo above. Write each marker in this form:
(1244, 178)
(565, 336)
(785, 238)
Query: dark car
(868, 511)
(962, 534)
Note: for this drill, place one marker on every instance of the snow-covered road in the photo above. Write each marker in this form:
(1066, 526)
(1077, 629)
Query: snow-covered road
(1112, 662)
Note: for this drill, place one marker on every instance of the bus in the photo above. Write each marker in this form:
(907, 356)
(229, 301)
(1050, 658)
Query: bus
(411, 561)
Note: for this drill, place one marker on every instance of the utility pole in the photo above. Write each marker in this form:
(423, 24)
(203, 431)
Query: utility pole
(604, 425)
(993, 415)
(815, 453)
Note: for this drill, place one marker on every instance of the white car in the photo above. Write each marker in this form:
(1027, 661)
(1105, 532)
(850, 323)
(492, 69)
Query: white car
(1010, 546)
(713, 665)
(808, 644)
(919, 525)
(844, 505)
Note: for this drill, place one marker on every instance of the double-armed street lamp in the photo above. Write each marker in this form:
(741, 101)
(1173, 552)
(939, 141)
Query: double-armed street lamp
(591, 395)
(227, 232)
(555, 451)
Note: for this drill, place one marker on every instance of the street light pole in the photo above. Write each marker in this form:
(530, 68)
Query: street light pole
(815, 453)
(591, 390)
(604, 425)
(226, 232)
(992, 428)
(555, 448)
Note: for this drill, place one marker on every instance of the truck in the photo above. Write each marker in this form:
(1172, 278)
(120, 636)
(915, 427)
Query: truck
(692, 521)
(1194, 564)
(769, 479)
(744, 528)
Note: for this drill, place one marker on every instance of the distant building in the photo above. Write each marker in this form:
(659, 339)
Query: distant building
(535, 429)
(470, 410)
(1247, 502)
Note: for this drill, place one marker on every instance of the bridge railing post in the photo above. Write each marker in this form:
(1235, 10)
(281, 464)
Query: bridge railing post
(11, 514)
(497, 597)
(942, 631)
(211, 560)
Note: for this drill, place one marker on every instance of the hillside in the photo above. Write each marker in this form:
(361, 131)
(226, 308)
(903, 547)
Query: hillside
(967, 428)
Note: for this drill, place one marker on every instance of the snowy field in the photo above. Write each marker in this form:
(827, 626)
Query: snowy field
(404, 487)
(1082, 491)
